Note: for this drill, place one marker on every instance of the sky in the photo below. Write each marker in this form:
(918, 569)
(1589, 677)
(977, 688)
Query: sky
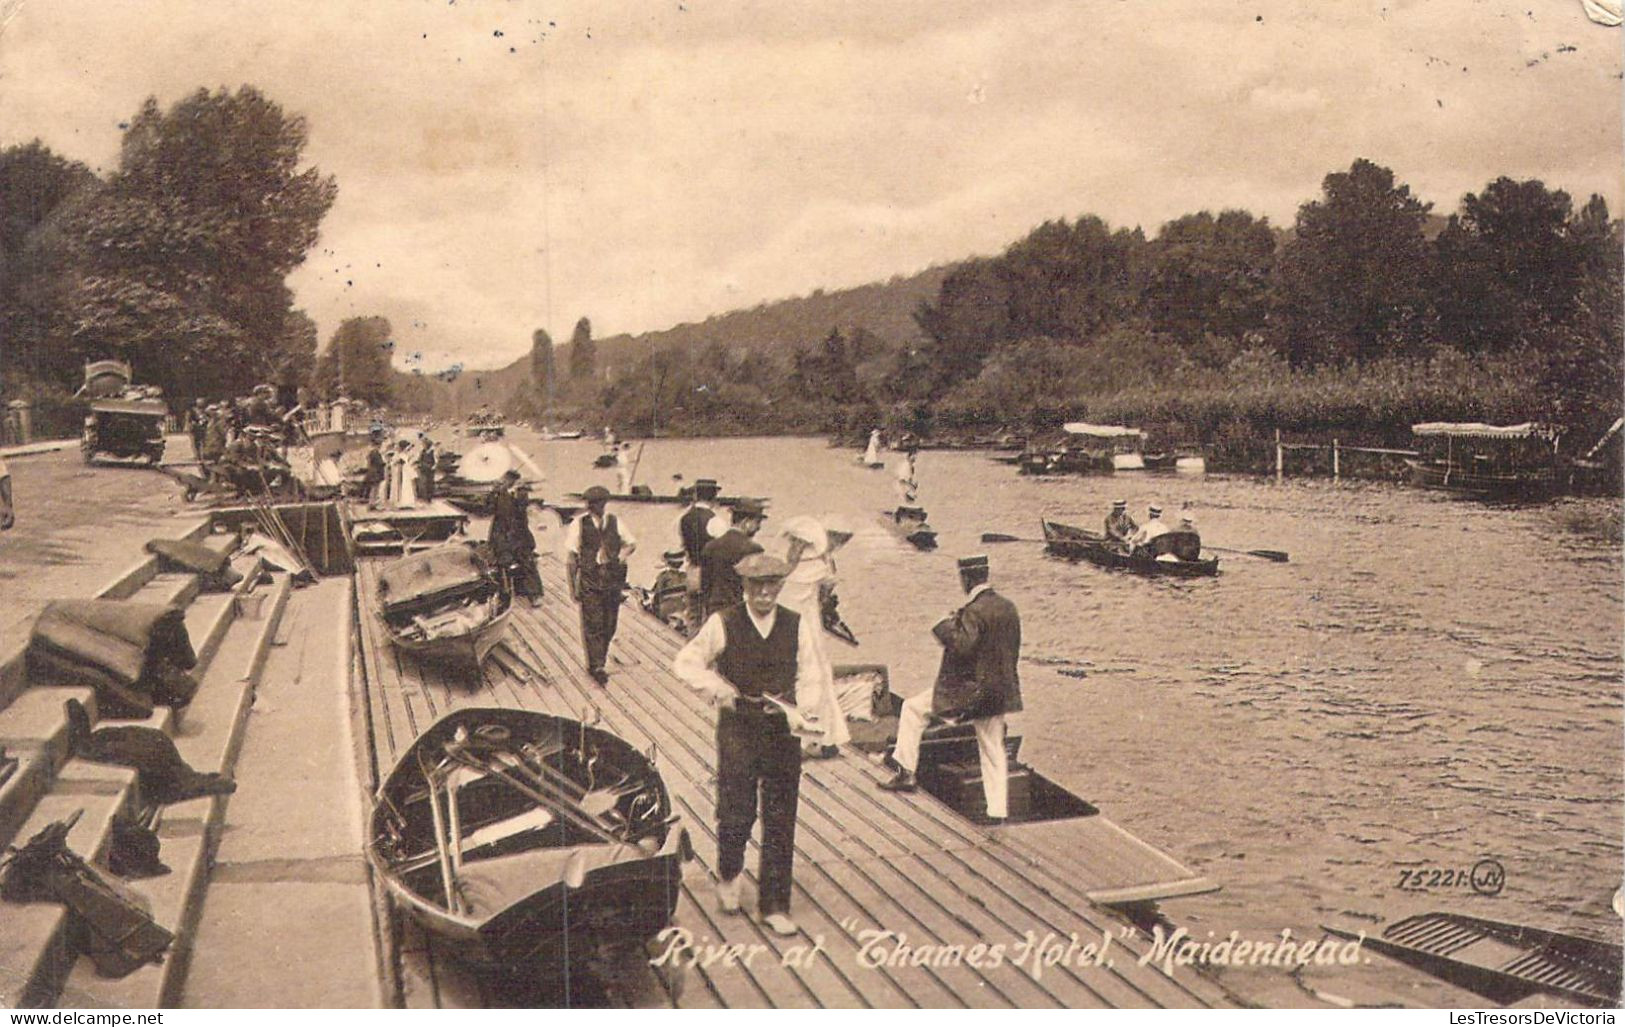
(505, 165)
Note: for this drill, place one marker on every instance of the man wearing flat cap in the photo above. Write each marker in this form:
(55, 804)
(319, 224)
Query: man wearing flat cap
(596, 547)
(719, 583)
(977, 682)
(753, 660)
(512, 542)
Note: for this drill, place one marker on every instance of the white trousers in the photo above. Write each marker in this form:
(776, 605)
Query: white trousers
(989, 744)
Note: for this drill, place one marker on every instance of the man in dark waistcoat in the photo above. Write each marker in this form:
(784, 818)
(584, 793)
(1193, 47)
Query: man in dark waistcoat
(977, 682)
(742, 656)
(596, 547)
(719, 583)
(512, 543)
(693, 533)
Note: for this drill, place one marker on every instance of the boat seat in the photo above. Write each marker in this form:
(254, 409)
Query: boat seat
(491, 885)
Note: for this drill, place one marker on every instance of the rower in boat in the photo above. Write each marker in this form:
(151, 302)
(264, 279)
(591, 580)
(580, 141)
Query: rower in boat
(1120, 527)
(1185, 542)
(1154, 528)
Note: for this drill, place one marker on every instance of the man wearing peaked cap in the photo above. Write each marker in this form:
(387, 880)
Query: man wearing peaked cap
(596, 546)
(977, 682)
(720, 585)
(755, 660)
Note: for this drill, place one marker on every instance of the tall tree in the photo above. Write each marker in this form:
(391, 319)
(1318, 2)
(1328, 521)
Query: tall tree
(1506, 264)
(357, 360)
(541, 369)
(583, 351)
(1351, 283)
(1210, 275)
(35, 184)
(182, 257)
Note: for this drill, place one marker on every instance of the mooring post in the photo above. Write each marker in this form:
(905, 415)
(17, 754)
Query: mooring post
(1279, 461)
(1336, 469)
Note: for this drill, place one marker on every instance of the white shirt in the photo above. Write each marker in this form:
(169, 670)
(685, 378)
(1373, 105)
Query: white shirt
(695, 664)
(572, 535)
(1151, 529)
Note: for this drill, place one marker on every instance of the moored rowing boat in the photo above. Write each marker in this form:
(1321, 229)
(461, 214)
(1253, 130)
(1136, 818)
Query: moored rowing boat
(527, 842)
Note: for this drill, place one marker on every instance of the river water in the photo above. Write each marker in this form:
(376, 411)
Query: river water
(1428, 683)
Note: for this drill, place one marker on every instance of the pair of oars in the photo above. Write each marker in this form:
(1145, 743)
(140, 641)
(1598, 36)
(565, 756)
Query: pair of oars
(1263, 554)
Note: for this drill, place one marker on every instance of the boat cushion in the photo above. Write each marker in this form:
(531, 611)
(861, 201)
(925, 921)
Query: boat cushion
(423, 576)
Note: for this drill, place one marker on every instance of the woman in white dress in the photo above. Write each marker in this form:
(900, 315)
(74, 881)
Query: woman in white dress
(811, 572)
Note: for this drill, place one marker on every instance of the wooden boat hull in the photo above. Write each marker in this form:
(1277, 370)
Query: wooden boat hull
(463, 651)
(1072, 543)
(519, 912)
(916, 533)
(1501, 961)
(1526, 485)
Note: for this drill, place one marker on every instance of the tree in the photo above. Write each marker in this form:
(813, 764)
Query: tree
(35, 184)
(583, 351)
(826, 374)
(1210, 275)
(541, 369)
(357, 360)
(1071, 281)
(1350, 284)
(1509, 262)
(181, 259)
(970, 317)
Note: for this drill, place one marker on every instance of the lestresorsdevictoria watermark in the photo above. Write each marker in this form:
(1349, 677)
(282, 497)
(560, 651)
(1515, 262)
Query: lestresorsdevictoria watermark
(880, 948)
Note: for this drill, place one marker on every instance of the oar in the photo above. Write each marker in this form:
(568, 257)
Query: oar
(993, 536)
(1262, 554)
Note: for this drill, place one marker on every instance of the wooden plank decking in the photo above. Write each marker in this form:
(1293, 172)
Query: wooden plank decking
(865, 859)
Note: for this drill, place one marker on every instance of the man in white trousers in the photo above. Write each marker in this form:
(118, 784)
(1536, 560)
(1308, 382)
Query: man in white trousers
(977, 682)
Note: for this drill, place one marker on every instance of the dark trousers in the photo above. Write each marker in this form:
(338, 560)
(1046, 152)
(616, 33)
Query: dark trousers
(758, 757)
(425, 486)
(523, 575)
(600, 613)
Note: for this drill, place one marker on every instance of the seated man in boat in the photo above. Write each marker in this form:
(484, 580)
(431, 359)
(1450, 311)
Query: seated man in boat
(1153, 528)
(668, 597)
(1184, 542)
(1120, 527)
(754, 661)
(977, 681)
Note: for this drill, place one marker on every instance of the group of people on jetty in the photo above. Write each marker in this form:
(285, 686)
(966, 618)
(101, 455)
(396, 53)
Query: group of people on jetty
(760, 660)
(756, 650)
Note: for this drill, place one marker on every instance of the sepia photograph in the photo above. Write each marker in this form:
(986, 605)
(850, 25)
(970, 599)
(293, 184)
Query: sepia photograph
(811, 504)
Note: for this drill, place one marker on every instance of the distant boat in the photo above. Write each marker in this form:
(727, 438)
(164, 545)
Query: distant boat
(1516, 461)
(871, 456)
(1072, 543)
(909, 524)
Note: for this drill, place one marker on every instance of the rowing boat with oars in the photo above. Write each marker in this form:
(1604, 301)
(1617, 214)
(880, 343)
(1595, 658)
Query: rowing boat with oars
(909, 524)
(446, 605)
(1503, 962)
(528, 843)
(1072, 543)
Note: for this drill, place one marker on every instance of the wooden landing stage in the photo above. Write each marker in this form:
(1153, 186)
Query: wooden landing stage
(865, 859)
